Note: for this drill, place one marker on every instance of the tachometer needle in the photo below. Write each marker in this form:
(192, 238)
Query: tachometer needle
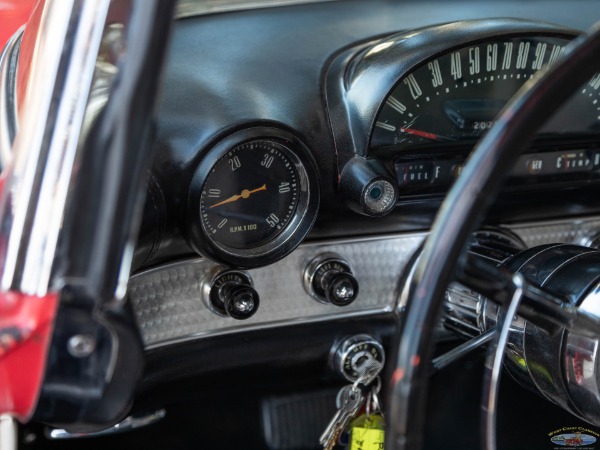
(426, 134)
(244, 194)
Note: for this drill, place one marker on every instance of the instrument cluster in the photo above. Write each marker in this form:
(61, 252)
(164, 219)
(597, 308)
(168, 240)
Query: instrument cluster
(405, 112)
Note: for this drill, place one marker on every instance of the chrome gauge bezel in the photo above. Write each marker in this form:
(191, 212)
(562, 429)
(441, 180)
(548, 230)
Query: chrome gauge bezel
(295, 229)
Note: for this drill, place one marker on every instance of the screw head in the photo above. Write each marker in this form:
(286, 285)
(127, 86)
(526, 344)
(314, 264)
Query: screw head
(81, 345)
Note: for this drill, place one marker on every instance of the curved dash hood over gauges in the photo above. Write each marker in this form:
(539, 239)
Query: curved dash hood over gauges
(421, 117)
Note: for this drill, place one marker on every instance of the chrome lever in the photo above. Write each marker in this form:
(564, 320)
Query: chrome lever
(462, 350)
(128, 424)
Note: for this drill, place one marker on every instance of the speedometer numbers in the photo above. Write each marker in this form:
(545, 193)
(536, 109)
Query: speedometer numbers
(457, 95)
(253, 198)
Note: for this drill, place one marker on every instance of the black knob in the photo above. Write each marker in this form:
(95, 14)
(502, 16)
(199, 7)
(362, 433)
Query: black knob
(240, 301)
(341, 288)
(232, 294)
(329, 279)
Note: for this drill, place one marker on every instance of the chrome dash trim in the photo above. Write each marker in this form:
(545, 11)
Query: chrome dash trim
(572, 230)
(168, 305)
(8, 92)
(234, 329)
(192, 8)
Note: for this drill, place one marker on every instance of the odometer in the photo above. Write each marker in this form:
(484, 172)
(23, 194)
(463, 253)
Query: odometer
(457, 95)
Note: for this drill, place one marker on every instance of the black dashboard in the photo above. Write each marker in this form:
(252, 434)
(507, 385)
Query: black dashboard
(339, 83)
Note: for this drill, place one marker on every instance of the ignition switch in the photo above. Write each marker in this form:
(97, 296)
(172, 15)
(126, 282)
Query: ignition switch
(230, 293)
(355, 353)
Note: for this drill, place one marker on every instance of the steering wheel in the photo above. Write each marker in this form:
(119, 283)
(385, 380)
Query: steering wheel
(460, 214)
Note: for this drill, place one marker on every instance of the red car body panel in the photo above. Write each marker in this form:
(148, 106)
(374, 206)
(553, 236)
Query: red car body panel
(13, 14)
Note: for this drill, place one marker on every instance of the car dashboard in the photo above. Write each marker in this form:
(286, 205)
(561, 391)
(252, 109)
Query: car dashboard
(302, 153)
(377, 111)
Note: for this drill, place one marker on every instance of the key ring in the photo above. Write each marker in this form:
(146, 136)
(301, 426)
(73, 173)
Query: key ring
(372, 404)
(377, 386)
(376, 404)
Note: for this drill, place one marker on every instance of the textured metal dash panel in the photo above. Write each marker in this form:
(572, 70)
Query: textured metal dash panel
(168, 302)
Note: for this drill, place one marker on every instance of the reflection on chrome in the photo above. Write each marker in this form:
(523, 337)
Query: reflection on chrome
(128, 424)
(8, 105)
(190, 8)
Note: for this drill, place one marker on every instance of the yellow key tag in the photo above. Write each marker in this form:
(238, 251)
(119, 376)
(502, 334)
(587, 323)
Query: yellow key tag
(367, 433)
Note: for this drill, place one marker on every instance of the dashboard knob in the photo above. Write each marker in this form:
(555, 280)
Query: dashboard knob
(240, 301)
(231, 293)
(367, 187)
(329, 279)
(340, 288)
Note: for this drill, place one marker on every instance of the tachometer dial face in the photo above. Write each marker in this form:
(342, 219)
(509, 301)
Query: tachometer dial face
(457, 95)
(250, 195)
(253, 198)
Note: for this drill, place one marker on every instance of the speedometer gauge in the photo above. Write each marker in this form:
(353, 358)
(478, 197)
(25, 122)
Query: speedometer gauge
(253, 198)
(412, 105)
(457, 95)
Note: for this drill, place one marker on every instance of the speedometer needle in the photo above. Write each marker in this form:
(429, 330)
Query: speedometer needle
(244, 194)
(426, 134)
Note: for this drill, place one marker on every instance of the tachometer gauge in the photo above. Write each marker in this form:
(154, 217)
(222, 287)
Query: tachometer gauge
(250, 195)
(457, 95)
(253, 198)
